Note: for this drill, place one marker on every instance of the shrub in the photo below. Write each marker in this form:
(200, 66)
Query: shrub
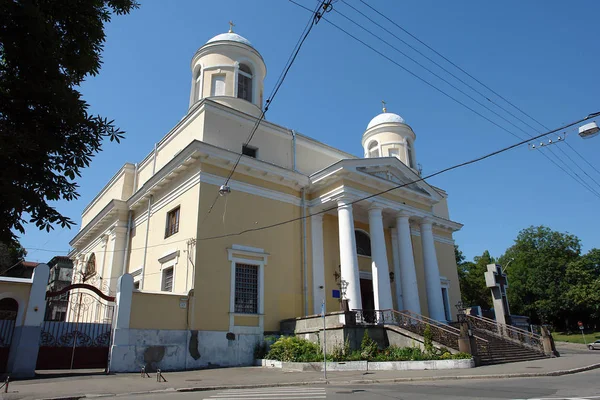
(428, 340)
(294, 349)
(368, 347)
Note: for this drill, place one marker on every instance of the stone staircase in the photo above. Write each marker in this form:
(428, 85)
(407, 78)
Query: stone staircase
(500, 351)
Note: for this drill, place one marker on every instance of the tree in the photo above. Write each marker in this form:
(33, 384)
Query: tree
(583, 294)
(10, 256)
(47, 136)
(538, 286)
(471, 276)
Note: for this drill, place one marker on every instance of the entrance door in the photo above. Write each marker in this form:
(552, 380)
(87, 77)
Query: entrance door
(8, 316)
(76, 333)
(368, 300)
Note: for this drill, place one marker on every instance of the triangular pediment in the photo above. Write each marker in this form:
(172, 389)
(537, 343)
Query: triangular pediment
(393, 175)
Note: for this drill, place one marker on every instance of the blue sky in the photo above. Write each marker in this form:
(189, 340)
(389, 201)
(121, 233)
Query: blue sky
(541, 55)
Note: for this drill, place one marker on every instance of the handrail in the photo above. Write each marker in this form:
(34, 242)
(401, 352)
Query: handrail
(437, 323)
(509, 327)
(94, 289)
(424, 319)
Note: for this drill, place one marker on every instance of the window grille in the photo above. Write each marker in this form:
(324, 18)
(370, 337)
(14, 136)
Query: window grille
(167, 281)
(172, 222)
(246, 289)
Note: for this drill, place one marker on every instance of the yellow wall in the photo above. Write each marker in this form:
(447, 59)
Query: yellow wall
(283, 274)
(18, 291)
(157, 311)
(448, 269)
(120, 189)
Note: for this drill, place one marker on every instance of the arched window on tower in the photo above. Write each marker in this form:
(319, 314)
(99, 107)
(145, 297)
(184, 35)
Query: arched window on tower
(245, 83)
(409, 154)
(363, 243)
(373, 150)
(197, 82)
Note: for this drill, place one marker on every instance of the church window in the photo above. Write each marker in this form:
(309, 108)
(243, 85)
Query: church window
(218, 85)
(244, 83)
(246, 288)
(172, 222)
(409, 154)
(363, 243)
(373, 150)
(395, 152)
(198, 82)
(249, 151)
(167, 280)
(446, 302)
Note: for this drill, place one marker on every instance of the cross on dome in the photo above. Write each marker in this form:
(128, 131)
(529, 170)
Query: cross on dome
(231, 25)
(383, 106)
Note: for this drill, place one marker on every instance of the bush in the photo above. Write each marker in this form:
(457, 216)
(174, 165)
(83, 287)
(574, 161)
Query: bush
(368, 347)
(428, 340)
(294, 349)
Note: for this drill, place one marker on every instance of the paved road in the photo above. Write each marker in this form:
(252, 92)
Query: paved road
(582, 386)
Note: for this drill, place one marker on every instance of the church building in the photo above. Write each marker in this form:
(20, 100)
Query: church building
(164, 221)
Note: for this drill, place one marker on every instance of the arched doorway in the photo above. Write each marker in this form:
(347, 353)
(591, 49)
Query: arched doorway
(9, 308)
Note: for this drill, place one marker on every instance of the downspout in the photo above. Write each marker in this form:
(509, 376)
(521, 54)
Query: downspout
(293, 150)
(146, 243)
(154, 161)
(128, 236)
(304, 263)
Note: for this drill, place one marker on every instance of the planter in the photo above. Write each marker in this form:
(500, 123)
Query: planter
(369, 365)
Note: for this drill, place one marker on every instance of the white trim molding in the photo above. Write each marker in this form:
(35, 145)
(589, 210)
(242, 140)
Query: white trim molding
(252, 256)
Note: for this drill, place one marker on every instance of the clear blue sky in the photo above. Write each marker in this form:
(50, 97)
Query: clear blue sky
(541, 55)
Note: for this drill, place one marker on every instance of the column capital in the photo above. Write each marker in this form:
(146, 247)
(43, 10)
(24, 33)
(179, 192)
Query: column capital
(426, 221)
(345, 201)
(375, 209)
(403, 214)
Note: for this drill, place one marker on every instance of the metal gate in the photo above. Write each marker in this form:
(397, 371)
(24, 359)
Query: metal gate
(76, 333)
(8, 316)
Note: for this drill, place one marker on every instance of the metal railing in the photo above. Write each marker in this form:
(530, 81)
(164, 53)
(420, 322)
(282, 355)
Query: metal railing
(515, 335)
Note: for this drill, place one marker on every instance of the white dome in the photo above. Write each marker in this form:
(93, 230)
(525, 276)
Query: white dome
(386, 118)
(230, 37)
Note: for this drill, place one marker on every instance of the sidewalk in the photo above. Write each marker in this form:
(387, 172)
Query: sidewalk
(574, 358)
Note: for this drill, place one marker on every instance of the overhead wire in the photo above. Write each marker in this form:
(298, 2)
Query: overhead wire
(323, 5)
(483, 85)
(569, 171)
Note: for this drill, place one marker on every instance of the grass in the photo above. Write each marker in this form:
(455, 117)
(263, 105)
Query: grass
(576, 337)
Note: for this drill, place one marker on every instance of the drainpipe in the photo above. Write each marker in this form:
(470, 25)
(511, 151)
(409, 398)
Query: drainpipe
(293, 150)
(304, 271)
(146, 243)
(154, 161)
(130, 216)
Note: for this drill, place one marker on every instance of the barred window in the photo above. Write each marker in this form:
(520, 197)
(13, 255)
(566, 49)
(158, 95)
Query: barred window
(172, 222)
(167, 281)
(246, 289)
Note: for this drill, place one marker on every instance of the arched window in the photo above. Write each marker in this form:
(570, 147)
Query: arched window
(90, 267)
(245, 83)
(409, 154)
(363, 243)
(8, 309)
(197, 81)
(373, 149)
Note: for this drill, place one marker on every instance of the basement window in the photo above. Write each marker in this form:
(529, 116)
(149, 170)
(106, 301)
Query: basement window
(249, 151)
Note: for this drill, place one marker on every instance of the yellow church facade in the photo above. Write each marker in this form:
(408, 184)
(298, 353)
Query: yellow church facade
(296, 224)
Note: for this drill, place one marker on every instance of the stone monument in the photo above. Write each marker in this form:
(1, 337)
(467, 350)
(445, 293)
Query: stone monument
(496, 280)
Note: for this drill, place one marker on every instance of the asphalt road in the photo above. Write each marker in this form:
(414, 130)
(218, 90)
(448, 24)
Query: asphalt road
(580, 386)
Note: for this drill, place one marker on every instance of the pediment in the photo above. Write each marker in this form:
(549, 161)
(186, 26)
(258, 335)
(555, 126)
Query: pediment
(395, 176)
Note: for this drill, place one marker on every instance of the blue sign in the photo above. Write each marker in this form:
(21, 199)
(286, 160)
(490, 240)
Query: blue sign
(335, 294)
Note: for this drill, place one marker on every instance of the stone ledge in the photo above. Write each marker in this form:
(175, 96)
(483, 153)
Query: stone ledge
(369, 365)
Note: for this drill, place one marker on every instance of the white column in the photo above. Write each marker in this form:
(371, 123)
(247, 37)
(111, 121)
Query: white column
(348, 257)
(397, 278)
(408, 275)
(379, 263)
(432, 273)
(318, 261)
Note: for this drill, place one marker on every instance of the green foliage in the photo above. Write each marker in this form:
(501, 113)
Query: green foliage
(472, 279)
(47, 135)
(294, 349)
(10, 254)
(368, 347)
(428, 340)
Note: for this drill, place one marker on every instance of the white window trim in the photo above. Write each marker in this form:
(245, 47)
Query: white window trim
(242, 254)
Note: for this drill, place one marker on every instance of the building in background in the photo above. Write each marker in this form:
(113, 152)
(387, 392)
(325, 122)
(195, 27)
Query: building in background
(61, 275)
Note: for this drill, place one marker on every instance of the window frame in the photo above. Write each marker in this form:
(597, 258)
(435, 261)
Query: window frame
(213, 84)
(237, 295)
(164, 271)
(246, 147)
(358, 232)
(250, 81)
(168, 232)
(373, 149)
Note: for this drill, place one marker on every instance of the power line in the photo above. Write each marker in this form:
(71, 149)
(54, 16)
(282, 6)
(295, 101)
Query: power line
(572, 174)
(324, 6)
(583, 158)
(475, 160)
(481, 83)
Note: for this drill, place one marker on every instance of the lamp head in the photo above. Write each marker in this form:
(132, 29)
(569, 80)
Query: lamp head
(588, 131)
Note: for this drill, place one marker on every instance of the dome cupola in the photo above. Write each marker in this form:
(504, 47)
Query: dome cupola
(388, 135)
(229, 70)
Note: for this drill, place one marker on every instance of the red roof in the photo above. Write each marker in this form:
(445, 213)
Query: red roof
(29, 264)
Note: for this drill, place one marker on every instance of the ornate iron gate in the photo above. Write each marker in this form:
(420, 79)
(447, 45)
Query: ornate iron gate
(76, 333)
(8, 316)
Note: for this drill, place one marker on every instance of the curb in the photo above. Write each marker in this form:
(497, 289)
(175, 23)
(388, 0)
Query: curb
(335, 382)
